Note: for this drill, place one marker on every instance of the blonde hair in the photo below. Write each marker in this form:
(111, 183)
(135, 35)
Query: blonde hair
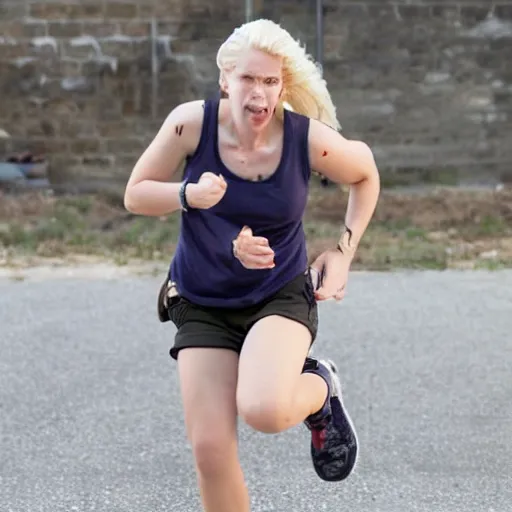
(305, 91)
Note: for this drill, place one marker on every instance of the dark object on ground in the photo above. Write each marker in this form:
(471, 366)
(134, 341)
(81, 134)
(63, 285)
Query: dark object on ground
(24, 170)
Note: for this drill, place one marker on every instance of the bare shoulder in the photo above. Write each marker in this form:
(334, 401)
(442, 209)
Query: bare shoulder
(340, 159)
(177, 138)
(184, 124)
(190, 111)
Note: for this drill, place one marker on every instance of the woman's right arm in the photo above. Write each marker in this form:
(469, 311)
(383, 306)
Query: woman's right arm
(149, 191)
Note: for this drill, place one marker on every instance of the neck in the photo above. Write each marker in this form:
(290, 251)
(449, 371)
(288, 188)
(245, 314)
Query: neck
(249, 139)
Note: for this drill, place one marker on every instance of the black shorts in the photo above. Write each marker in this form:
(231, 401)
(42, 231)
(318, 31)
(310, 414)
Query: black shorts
(200, 326)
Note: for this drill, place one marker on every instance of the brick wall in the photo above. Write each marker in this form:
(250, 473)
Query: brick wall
(88, 82)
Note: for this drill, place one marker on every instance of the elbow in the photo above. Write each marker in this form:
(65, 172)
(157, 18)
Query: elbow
(128, 206)
(373, 172)
(129, 201)
(369, 159)
(368, 170)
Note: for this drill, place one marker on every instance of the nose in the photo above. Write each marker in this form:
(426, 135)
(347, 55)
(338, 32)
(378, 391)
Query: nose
(257, 90)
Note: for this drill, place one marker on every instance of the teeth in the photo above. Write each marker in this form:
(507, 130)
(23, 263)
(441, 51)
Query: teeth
(257, 110)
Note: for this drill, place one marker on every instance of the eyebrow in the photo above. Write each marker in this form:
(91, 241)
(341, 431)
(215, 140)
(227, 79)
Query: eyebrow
(248, 73)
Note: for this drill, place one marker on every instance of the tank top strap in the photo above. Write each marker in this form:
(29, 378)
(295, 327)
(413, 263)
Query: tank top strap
(299, 132)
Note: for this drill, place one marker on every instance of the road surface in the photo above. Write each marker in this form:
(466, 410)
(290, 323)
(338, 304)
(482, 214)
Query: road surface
(90, 414)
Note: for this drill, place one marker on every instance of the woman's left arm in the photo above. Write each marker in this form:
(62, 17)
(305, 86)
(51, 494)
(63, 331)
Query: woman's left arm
(348, 162)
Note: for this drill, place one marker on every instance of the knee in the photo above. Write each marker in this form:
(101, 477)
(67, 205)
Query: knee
(213, 453)
(269, 416)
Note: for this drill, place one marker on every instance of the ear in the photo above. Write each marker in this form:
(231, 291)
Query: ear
(223, 83)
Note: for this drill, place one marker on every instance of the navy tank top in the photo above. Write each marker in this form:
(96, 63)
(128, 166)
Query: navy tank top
(203, 267)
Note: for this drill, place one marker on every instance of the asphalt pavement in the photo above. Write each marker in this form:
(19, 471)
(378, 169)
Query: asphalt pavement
(91, 418)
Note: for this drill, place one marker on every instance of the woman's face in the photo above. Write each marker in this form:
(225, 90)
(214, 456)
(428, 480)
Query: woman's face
(254, 87)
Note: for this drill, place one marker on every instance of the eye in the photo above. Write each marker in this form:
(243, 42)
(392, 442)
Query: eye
(271, 81)
(247, 78)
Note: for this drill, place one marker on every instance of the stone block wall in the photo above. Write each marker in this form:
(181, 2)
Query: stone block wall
(88, 82)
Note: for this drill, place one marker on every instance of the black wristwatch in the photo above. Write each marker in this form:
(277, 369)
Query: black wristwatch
(344, 240)
(183, 196)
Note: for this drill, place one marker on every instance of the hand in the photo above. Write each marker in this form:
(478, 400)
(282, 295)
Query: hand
(253, 252)
(207, 192)
(335, 267)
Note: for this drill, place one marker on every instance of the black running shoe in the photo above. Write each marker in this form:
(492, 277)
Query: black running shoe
(334, 445)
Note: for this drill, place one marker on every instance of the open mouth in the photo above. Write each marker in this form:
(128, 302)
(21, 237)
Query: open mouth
(256, 110)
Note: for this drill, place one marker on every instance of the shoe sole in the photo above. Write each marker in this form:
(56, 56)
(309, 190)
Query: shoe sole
(339, 395)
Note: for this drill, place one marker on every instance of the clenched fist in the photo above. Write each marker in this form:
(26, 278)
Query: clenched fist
(253, 252)
(207, 192)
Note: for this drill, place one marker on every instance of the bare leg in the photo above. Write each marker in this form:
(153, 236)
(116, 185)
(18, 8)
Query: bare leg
(273, 394)
(208, 379)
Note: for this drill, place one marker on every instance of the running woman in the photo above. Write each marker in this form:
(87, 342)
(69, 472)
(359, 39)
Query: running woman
(239, 289)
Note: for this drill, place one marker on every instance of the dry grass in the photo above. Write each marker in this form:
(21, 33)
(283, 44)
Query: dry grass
(439, 229)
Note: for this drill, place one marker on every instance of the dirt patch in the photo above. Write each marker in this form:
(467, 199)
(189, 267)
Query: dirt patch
(440, 228)
(434, 209)
(431, 228)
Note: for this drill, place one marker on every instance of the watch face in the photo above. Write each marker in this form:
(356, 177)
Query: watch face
(345, 237)
(315, 278)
